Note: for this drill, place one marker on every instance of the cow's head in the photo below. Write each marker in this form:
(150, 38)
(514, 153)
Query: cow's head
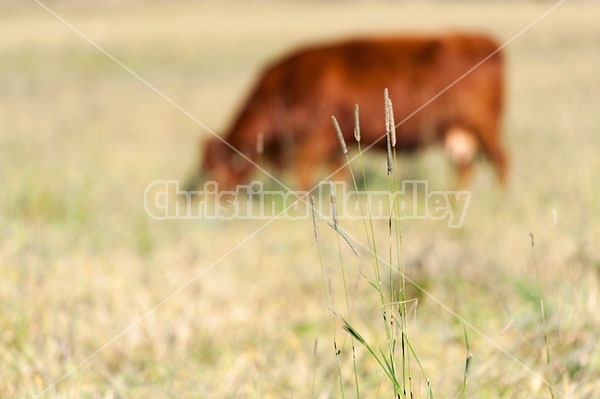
(220, 163)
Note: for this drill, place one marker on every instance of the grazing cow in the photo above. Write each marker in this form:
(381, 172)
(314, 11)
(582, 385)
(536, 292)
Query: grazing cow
(292, 103)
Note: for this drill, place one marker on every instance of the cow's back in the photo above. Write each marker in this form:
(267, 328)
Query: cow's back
(320, 81)
(439, 84)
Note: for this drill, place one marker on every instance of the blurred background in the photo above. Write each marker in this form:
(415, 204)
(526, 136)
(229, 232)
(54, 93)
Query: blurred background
(239, 308)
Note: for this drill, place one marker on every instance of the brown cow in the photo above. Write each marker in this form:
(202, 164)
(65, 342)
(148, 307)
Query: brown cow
(292, 103)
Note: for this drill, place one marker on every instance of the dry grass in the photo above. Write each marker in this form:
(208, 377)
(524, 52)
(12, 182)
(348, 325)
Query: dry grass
(80, 261)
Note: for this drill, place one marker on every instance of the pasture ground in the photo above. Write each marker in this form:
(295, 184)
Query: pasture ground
(80, 261)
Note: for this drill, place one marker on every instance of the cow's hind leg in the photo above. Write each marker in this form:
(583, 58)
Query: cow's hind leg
(498, 157)
(495, 153)
(462, 146)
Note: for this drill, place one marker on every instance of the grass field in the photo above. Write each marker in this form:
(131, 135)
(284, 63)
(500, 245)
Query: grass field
(81, 262)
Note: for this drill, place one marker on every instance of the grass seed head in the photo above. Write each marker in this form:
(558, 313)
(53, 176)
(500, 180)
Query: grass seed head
(315, 219)
(333, 201)
(392, 124)
(356, 124)
(388, 130)
(390, 161)
(340, 135)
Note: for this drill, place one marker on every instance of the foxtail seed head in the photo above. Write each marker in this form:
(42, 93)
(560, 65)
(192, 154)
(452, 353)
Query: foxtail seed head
(340, 135)
(356, 124)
